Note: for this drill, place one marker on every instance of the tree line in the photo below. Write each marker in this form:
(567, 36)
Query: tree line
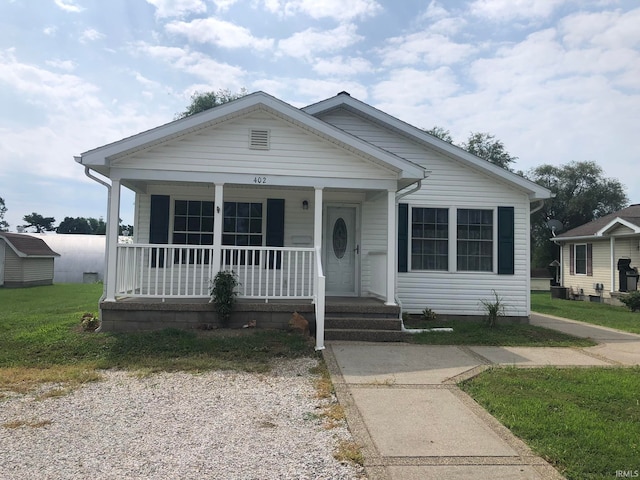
(37, 223)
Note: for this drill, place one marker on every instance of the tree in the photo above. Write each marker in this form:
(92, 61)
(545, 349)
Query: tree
(582, 194)
(4, 226)
(87, 226)
(441, 133)
(201, 101)
(74, 225)
(98, 226)
(484, 145)
(40, 223)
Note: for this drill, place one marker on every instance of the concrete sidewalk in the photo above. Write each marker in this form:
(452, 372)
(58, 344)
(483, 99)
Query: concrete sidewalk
(413, 422)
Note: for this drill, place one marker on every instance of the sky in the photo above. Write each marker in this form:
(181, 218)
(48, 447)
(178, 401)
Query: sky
(554, 80)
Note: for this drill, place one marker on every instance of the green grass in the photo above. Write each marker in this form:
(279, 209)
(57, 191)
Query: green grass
(477, 333)
(40, 332)
(585, 422)
(595, 313)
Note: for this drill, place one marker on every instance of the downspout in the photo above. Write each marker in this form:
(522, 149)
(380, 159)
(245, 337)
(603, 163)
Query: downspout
(400, 196)
(87, 172)
(537, 208)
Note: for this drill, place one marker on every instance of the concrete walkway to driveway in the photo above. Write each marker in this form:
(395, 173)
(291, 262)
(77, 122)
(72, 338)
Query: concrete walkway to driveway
(413, 422)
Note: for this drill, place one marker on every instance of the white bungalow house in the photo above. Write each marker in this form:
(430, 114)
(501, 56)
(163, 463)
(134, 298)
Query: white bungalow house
(337, 203)
(598, 258)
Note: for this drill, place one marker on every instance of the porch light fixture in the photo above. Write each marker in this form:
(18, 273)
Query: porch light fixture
(305, 204)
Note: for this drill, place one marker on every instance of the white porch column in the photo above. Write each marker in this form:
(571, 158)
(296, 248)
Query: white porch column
(113, 224)
(392, 247)
(317, 230)
(317, 219)
(614, 266)
(218, 216)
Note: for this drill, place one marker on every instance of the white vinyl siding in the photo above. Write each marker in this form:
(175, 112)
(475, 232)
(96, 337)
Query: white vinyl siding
(452, 185)
(601, 263)
(225, 149)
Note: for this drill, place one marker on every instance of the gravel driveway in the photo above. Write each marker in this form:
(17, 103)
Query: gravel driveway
(214, 425)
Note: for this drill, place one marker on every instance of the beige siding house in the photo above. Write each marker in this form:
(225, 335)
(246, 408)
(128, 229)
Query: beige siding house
(334, 203)
(25, 261)
(598, 259)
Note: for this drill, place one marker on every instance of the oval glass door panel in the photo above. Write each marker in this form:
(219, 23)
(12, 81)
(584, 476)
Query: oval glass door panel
(339, 238)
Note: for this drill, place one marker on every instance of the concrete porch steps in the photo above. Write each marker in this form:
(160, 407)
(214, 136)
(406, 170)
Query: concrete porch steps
(370, 323)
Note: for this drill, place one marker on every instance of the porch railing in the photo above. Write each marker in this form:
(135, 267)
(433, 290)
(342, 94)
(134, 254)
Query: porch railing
(186, 271)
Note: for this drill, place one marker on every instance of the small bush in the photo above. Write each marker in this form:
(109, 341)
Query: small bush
(632, 301)
(493, 309)
(429, 315)
(223, 294)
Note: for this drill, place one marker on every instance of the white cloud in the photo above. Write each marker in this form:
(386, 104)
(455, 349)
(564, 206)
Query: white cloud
(90, 35)
(219, 32)
(67, 65)
(50, 31)
(341, 10)
(308, 43)
(197, 64)
(43, 86)
(310, 89)
(342, 67)
(611, 29)
(505, 10)
(177, 8)
(412, 86)
(68, 6)
(425, 47)
(435, 11)
(223, 5)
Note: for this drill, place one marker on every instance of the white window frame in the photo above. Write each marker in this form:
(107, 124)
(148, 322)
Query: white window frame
(453, 224)
(575, 258)
(411, 267)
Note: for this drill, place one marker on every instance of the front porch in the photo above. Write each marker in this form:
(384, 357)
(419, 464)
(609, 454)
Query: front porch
(358, 318)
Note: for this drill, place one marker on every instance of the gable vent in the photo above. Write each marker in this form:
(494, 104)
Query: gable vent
(259, 139)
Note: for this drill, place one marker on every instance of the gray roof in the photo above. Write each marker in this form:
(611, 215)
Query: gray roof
(28, 246)
(630, 214)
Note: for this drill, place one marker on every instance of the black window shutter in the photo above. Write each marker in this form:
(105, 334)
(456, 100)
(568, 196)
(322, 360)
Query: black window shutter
(275, 229)
(159, 225)
(403, 237)
(506, 242)
(589, 259)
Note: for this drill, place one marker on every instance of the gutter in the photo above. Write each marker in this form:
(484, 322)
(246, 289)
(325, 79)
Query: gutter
(87, 172)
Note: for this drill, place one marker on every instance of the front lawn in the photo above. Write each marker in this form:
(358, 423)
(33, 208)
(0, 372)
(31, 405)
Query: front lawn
(584, 421)
(477, 333)
(41, 340)
(590, 312)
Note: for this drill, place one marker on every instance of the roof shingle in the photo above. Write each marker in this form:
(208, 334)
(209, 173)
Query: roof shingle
(631, 214)
(28, 246)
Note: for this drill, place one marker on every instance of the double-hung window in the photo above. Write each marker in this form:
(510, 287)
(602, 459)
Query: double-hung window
(242, 226)
(192, 225)
(475, 240)
(580, 259)
(429, 238)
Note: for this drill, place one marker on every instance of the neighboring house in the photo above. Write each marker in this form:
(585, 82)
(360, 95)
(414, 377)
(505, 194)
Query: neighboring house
(596, 256)
(337, 199)
(25, 261)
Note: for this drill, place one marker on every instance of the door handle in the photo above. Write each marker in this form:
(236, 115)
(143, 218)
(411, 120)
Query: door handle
(357, 249)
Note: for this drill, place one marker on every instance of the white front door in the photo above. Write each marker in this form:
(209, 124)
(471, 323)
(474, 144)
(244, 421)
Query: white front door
(341, 250)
